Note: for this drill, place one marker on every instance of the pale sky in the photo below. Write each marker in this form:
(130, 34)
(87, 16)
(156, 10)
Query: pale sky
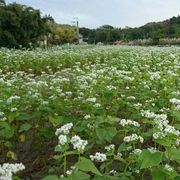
(118, 13)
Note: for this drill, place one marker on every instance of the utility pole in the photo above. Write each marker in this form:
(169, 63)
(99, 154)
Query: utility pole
(76, 22)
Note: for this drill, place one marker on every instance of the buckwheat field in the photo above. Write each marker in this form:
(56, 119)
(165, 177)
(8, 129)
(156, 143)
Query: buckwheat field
(90, 112)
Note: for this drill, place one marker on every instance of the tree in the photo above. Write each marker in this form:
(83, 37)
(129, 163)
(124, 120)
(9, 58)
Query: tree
(62, 33)
(21, 25)
(106, 27)
(2, 3)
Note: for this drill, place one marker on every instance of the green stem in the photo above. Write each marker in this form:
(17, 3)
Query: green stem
(126, 168)
(79, 155)
(65, 164)
(143, 175)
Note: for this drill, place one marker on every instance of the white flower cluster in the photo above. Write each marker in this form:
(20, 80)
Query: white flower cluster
(1, 114)
(64, 129)
(111, 87)
(98, 157)
(168, 167)
(7, 170)
(113, 171)
(162, 124)
(78, 143)
(62, 139)
(69, 172)
(137, 151)
(93, 100)
(175, 102)
(119, 154)
(155, 75)
(147, 114)
(133, 137)
(158, 135)
(137, 105)
(10, 99)
(164, 127)
(13, 109)
(124, 122)
(131, 97)
(177, 142)
(110, 147)
(161, 120)
(171, 130)
(87, 116)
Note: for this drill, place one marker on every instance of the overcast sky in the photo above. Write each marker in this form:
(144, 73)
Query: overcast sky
(118, 13)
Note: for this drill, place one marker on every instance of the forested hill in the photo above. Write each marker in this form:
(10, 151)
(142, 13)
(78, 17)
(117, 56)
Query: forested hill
(156, 30)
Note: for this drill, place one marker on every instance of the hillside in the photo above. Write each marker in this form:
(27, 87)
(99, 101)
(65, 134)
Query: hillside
(154, 30)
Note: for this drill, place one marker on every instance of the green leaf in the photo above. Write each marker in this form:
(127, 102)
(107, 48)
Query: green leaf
(56, 121)
(106, 133)
(118, 158)
(87, 165)
(176, 114)
(12, 116)
(47, 132)
(173, 175)
(25, 116)
(150, 159)
(25, 127)
(122, 147)
(112, 120)
(6, 130)
(107, 177)
(158, 174)
(80, 175)
(108, 95)
(165, 142)
(177, 126)
(174, 154)
(51, 177)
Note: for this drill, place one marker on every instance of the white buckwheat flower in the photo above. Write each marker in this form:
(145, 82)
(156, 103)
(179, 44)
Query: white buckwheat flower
(177, 142)
(93, 100)
(78, 143)
(7, 170)
(133, 137)
(10, 99)
(158, 135)
(98, 157)
(124, 122)
(148, 114)
(168, 167)
(137, 151)
(110, 147)
(171, 130)
(87, 116)
(113, 171)
(64, 129)
(175, 101)
(155, 75)
(62, 139)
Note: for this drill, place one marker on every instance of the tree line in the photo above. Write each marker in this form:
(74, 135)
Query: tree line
(108, 34)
